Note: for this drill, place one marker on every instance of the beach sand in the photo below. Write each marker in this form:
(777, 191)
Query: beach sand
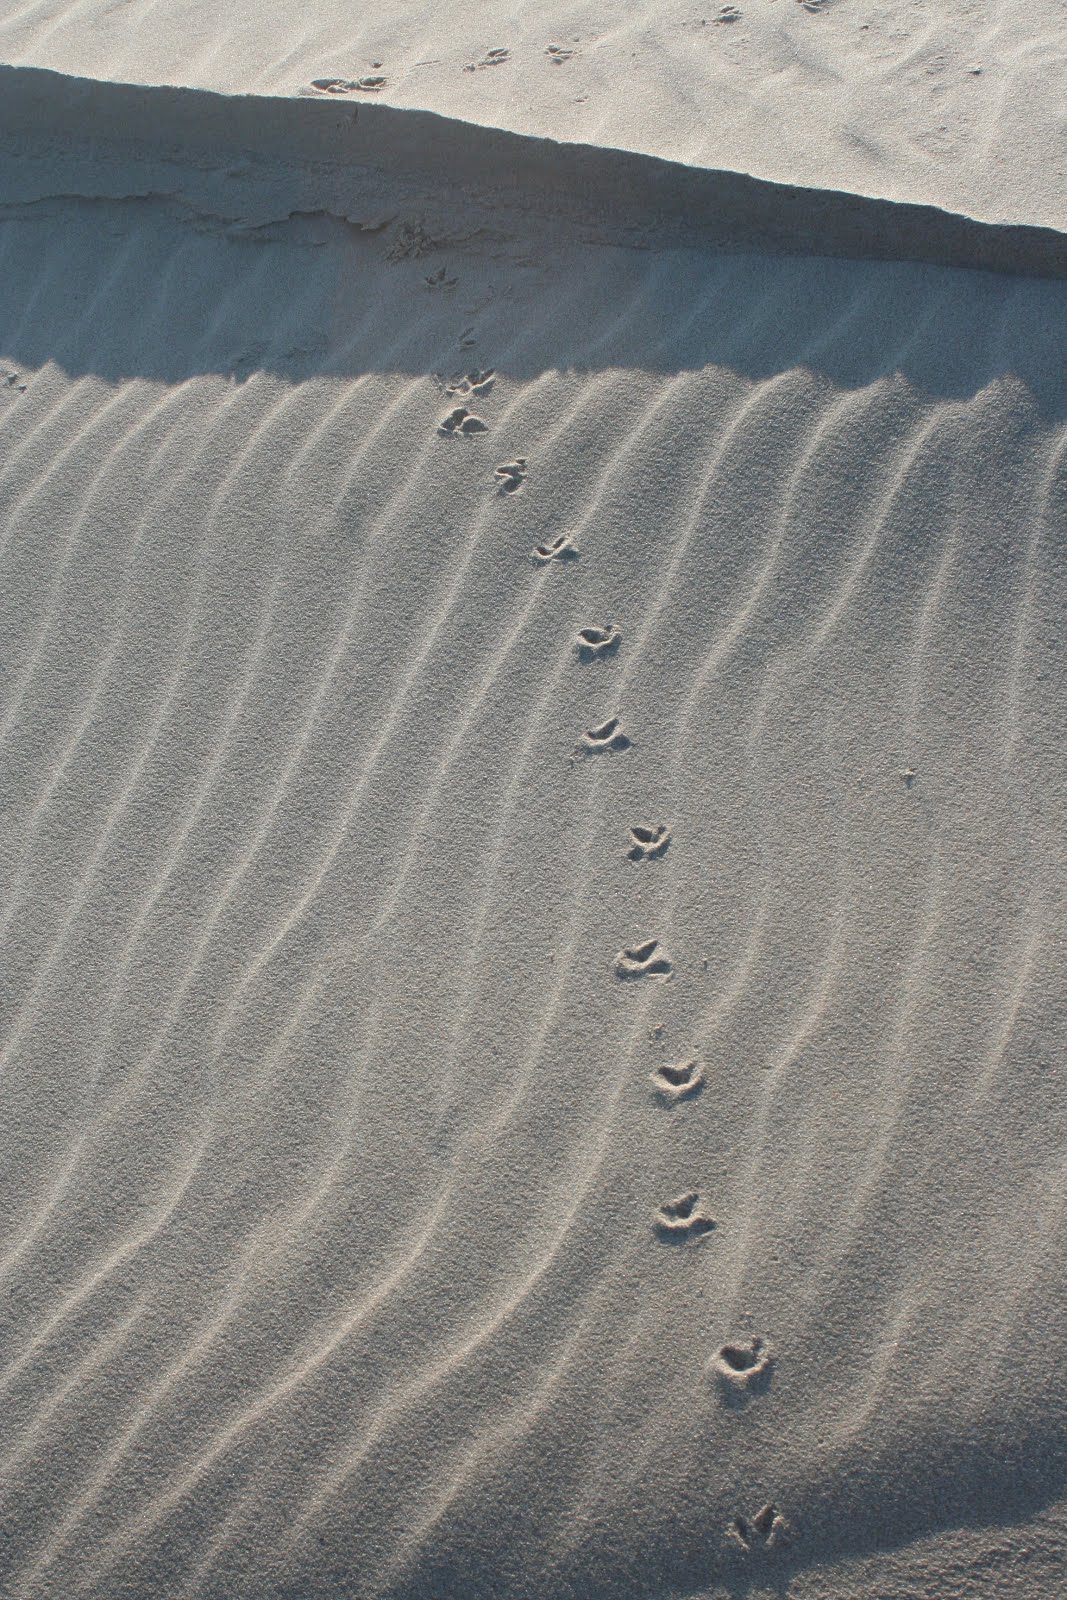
(533, 756)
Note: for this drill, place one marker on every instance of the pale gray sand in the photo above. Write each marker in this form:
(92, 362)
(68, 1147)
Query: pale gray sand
(331, 1161)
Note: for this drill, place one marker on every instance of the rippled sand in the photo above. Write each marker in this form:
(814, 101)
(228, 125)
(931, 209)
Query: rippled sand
(534, 993)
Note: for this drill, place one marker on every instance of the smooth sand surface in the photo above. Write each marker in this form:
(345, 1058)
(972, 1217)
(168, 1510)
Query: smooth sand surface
(955, 103)
(532, 924)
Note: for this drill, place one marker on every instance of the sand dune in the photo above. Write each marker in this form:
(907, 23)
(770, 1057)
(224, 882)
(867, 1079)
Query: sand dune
(351, 1246)
(255, 161)
(533, 744)
(956, 104)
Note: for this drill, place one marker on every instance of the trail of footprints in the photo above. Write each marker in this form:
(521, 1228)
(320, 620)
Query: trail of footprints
(499, 55)
(743, 1367)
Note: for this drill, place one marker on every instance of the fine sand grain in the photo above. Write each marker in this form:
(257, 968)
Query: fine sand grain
(532, 777)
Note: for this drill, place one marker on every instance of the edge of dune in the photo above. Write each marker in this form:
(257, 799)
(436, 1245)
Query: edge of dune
(64, 136)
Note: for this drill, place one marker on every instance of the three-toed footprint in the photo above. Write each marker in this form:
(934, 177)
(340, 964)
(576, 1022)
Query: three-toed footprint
(607, 737)
(492, 58)
(460, 420)
(743, 1364)
(511, 475)
(441, 279)
(682, 1219)
(596, 642)
(765, 1531)
(645, 960)
(678, 1082)
(558, 549)
(648, 841)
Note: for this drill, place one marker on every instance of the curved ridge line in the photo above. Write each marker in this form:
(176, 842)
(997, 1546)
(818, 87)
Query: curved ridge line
(108, 1112)
(129, 1245)
(1043, 526)
(146, 425)
(458, 1355)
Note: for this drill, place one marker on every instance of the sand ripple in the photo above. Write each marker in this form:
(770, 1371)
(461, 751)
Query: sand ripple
(332, 1149)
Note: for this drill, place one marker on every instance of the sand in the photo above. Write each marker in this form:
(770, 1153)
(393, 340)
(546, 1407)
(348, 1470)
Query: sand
(956, 103)
(534, 749)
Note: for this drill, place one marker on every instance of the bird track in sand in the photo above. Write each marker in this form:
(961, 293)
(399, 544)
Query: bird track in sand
(682, 1219)
(678, 1082)
(461, 421)
(648, 841)
(743, 1367)
(595, 643)
(510, 475)
(604, 738)
(645, 960)
(767, 1530)
(371, 84)
(558, 549)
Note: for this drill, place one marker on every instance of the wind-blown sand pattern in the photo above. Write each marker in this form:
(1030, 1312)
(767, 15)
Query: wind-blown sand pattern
(340, 1169)
(956, 104)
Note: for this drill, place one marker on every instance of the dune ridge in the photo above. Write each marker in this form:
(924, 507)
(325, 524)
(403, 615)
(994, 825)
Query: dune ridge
(956, 105)
(259, 160)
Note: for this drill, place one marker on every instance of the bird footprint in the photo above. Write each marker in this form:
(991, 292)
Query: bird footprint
(743, 1364)
(441, 280)
(368, 85)
(608, 736)
(511, 475)
(558, 54)
(679, 1082)
(475, 383)
(647, 960)
(461, 421)
(558, 549)
(596, 642)
(766, 1530)
(492, 58)
(682, 1219)
(646, 843)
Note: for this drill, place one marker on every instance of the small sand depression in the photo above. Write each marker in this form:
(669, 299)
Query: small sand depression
(460, 420)
(648, 841)
(743, 1366)
(767, 1530)
(370, 84)
(648, 959)
(683, 1219)
(510, 476)
(606, 738)
(594, 643)
(678, 1082)
(472, 383)
(559, 548)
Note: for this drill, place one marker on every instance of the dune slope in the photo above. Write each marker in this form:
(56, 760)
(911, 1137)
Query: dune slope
(957, 104)
(384, 1213)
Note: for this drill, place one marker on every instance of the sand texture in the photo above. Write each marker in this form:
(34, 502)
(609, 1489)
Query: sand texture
(533, 762)
(953, 103)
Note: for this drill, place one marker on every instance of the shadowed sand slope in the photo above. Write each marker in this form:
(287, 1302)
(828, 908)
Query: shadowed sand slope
(249, 162)
(493, 1108)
